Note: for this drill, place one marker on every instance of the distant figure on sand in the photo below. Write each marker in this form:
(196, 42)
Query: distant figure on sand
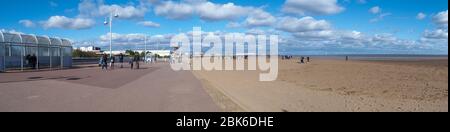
(346, 58)
(302, 60)
(308, 59)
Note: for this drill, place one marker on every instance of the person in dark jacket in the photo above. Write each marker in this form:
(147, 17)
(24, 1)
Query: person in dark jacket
(121, 60)
(137, 59)
(105, 62)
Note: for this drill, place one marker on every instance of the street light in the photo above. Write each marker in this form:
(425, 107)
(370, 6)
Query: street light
(116, 15)
(145, 48)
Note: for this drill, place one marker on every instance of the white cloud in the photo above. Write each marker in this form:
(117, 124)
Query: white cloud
(11, 31)
(213, 12)
(174, 10)
(234, 25)
(421, 16)
(260, 18)
(384, 38)
(149, 24)
(135, 40)
(53, 4)
(375, 10)
(362, 1)
(124, 12)
(122, 37)
(313, 35)
(305, 24)
(352, 35)
(97, 8)
(308, 7)
(63, 22)
(27, 23)
(380, 17)
(441, 19)
(204, 9)
(436, 34)
(379, 12)
(256, 31)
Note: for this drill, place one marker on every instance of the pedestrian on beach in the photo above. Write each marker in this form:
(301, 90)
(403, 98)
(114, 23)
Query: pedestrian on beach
(104, 62)
(33, 60)
(346, 58)
(302, 60)
(131, 62)
(308, 59)
(28, 58)
(137, 59)
(113, 61)
(121, 60)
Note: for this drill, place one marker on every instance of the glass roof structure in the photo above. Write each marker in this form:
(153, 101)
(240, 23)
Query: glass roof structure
(32, 39)
(30, 52)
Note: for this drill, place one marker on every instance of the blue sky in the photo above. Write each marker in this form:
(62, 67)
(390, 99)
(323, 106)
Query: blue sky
(305, 26)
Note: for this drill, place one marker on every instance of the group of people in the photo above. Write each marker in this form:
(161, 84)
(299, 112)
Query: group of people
(302, 60)
(112, 60)
(31, 60)
(286, 57)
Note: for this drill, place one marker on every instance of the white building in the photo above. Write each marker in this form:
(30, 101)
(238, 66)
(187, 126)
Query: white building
(153, 52)
(89, 49)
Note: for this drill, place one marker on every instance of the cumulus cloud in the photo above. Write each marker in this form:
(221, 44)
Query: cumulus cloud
(174, 10)
(441, 19)
(135, 41)
(149, 24)
(206, 10)
(375, 10)
(11, 31)
(315, 35)
(97, 8)
(123, 37)
(63, 22)
(213, 12)
(440, 34)
(260, 18)
(304, 24)
(380, 17)
(125, 12)
(421, 16)
(27, 23)
(234, 25)
(308, 7)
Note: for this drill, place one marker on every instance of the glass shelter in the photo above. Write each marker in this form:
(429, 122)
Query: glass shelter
(30, 52)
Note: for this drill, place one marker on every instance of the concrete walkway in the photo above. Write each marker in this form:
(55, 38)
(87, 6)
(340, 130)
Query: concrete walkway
(155, 88)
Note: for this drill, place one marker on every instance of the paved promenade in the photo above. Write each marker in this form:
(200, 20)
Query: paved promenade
(154, 88)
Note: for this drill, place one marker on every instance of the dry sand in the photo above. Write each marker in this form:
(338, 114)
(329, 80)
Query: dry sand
(335, 85)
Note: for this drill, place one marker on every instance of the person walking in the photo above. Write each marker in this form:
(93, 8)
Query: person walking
(113, 61)
(121, 60)
(104, 62)
(137, 59)
(33, 60)
(302, 60)
(131, 62)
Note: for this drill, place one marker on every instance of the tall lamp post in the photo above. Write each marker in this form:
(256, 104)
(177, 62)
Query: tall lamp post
(110, 29)
(145, 48)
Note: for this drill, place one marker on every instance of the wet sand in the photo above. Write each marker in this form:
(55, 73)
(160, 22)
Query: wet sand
(333, 84)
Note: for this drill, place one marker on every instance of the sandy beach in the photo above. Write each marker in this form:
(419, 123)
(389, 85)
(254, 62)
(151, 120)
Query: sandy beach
(333, 84)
